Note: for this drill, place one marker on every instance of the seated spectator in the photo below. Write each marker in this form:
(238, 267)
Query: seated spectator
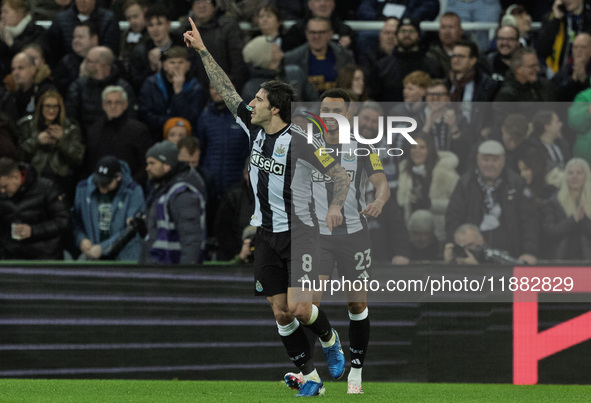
(449, 34)
(554, 42)
(476, 11)
(223, 38)
(507, 39)
(427, 179)
(246, 255)
(547, 134)
(423, 242)
(514, 132)
(493, 198)
(18, 29)
(566, 222)
(173, 92)
(103, 204)
(30, 81)
(297, 35)
(573, 77)
(119, 134)
(84, 101)
(532, 168)
(384, 46)
(176, 129)
(352, 79)
(62, 28)
(579, 119)
(52, 143)
(387, 76)
(136, 34)
(265, 62)
(516, 15)
(174, 210)
(68, 69)
(414, 94)
(319, 57)
(146, 58)
(46, 10)
(33, 219)
(421, 10)
(269, 22)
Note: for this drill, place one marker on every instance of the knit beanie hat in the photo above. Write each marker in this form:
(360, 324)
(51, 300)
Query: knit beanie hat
(165, 152)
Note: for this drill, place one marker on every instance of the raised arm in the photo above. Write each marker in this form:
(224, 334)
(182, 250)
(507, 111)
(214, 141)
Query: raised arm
(219, 79)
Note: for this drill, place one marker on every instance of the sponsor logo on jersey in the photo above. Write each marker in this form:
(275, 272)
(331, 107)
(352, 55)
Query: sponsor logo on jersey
(280, 151)
(266, 164)
(375, 162)
(324, 158)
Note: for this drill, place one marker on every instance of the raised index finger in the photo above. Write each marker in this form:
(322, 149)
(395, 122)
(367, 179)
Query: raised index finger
(193, 26)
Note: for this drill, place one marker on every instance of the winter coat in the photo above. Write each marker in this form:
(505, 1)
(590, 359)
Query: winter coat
(565, 237)
(519, 229)
(32, 33)
(37, 204)
(580, 121)
(443, 182)
(186, 213)
(128, 200)
(66, 72)
(233, 216)
(290, 74)
(513, 91)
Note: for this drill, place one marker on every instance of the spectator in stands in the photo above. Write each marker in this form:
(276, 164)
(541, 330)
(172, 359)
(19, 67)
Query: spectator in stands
(223, 143)
(30, 82)
(579, 119)
(386, 42)
(532, 168)
(46, 10)
(467, 82)
(450, 33)
(414, 94)
(269, 22)
(17, 29)
(514, 132)
(119, 134)
(52, 143)
(146, 58)
(33, 219)
(232, 216)
(421, 10)
(62, 28)
(173, 92)
(352, 78)
(507, 38)
(320, 58)
(135, 34)
(265, 62)
(522, 83)
(573, 76)
(190, 152)
(423, 242)
(103, 204)
(566, 221)
(246, 254)
(547, 134)
(469, 248)
(223, 38)
(68, 69)
(84, 102)
(8, 135)
(427, 179)
(568, 18)
(174, 210)
(298, 35)
(494, 199)
(517, 16)
(387, 76)
(476, 11)
(175, 129)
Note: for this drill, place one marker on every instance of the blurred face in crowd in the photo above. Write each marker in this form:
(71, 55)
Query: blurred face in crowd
(575, 178)
(175, 64)
(318, 34)
(523, 22)
(203, 11)
(276, 56)
(36, 55)
(418, 152)
(469, 239)
(114, 184)
(85, 7)
(156, 169)
(437, 97)
(268, 23)
(408, 37)
(23, 71)
(191, 159)
(135, 16)
(388, 39)
(95, 64)
(358, 84)
(573, 6)
(461, 62)
(582, 48)
(50, 109)
(509, 141)
(114, 104)
(525, 172)
(450, 31)
(529, 69)
(413, 93)
(490, 166)
(555, 126)
(10, 16)
(9, 184)
(176, 134)
(321, 8)
(159, 30)
(82, 42)
(507, 41)
(369, 123)
(420, 239)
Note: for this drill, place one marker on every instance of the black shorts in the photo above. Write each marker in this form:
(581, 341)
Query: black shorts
(350, 252)
(283, 258)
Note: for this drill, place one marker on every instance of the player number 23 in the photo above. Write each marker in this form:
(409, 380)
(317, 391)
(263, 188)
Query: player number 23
(363, 260)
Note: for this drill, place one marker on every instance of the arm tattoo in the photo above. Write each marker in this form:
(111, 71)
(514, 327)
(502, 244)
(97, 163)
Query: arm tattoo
(341, 184)
(221, 82)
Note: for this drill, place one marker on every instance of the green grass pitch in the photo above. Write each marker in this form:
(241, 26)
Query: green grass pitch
(88, 391)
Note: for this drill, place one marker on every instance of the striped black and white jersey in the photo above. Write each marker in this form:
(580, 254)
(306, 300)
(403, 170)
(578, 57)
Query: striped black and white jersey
(280, 172)
(360, 161)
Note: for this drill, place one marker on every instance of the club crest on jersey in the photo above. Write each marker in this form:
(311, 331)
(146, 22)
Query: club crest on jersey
(280, 151)
(266, 164)
(349, 157)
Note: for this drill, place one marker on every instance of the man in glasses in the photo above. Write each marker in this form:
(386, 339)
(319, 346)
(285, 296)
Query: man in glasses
(507, 43)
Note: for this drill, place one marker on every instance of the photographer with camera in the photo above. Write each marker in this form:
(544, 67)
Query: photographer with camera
(103, 204)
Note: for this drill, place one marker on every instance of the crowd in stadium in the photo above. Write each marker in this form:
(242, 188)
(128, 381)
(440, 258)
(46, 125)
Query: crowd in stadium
(503, 138)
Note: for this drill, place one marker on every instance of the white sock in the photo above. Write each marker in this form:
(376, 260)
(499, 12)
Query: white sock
(287, 329)
(312, 376)
(359, 316)
(355, 376)
(330, 342)
(313, 315)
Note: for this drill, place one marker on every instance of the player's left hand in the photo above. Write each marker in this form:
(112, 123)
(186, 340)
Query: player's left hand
(373, 209)
(334, 218)
(23, 231)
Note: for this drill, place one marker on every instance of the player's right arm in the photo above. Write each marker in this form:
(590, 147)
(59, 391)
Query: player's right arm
(219, 79)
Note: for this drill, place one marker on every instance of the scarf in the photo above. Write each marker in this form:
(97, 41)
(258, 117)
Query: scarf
(492, 214)
(458, 86)
(20, 27)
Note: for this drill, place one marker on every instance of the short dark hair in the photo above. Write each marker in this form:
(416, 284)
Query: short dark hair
(175, 52)
(7, 166)
(510, 26)
(470, 45)
(517, 57)
(191, 143)
(280, 96)
(157, 10)
(92, 31)
(320, 19)
(337, 93)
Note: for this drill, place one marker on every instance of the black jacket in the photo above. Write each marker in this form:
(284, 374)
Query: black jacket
(565, 238)
(35, 203)
(33, 33)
